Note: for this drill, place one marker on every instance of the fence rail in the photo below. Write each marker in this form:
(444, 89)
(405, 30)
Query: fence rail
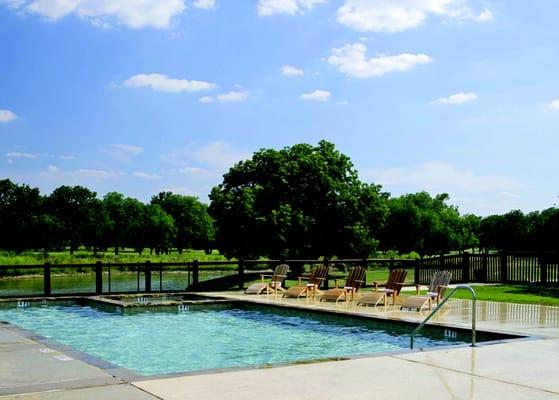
(105, 278)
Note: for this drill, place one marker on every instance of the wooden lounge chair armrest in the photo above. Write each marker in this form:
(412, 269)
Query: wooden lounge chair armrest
(440, 287)
(400, 283)
(300, 278)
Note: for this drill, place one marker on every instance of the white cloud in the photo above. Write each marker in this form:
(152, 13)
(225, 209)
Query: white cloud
(26, 155)
(132, 13)
(458, 98)
(163, 83)
(317, 95)
(440, 176)
(230, 97)
(7, 116)
(146, 175)
(18, 154)
(218, 155)
(289, 70)
(271, 7)
(185, 191)
(483, 193)
(204, 4)
(343, 103)
(553, 106)
(233, 97)
(399, 15)
(351, 60)
(79, 175)
(123, 152)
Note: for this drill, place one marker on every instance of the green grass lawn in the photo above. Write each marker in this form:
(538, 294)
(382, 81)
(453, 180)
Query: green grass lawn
(514, 294)
(86, 257)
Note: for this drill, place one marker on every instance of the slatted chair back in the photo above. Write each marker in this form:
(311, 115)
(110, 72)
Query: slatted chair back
(441, 279)
(396, 280)
(356, 278)
(318, 275)
(280, 273)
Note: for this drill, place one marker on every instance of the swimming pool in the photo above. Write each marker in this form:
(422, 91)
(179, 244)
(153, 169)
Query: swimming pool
(152, 341)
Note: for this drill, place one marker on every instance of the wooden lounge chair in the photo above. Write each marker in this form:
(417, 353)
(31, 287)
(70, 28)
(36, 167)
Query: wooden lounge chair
(276, 280)
(355, 279)
(315, 280)
(396, 279)
(437, 288)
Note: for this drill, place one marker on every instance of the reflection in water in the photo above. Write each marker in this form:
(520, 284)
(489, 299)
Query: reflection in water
(85, 282)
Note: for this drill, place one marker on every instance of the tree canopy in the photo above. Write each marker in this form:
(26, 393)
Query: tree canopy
(300, 201)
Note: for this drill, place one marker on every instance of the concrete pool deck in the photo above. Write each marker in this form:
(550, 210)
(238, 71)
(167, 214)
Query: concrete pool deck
(520, 369)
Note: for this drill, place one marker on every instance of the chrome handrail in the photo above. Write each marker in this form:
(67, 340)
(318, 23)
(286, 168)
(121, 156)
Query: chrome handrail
(474, 298)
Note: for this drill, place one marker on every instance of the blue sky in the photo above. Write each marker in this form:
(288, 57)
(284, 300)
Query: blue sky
(456, 96)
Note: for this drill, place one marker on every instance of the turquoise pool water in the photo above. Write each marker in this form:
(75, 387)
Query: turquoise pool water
(159, 341)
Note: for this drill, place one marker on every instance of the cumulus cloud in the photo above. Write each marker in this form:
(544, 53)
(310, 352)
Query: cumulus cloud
(351, 59)
(400, 15)
(458, 98)
(217, 155)
(483, 193)
(7, 116)
(123, 152)
(289, 70)
(133, 14)
(12, 155)
(317, 95)
(204, 4)
(79, 175)
(162, 83)
(230, 97)
(553, 106)
(271, 7)
(146, 175)
(19, 154)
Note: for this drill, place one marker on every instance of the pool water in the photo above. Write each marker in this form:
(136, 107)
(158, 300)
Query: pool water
(160, 341)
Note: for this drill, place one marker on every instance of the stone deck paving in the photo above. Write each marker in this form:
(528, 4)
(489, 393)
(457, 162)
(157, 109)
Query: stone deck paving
(524, 369)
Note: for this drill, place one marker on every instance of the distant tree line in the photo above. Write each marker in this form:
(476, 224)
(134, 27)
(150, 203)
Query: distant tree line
(71, 217)
(301, 201)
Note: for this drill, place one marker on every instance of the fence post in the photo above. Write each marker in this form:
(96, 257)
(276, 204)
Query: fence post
(147, 286)
(98, 278)
(484, 266)
(195, 273)
(416, 272)
(504, 268)
(326, 281)
(465, 267)
(46, 276)
(543, 269)
(441, 262)
(241, 273)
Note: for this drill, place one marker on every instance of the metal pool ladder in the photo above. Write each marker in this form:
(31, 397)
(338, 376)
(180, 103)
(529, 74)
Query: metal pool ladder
(474, 298)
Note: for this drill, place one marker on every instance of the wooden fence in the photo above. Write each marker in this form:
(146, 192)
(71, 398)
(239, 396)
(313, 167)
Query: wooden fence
(105, 278)
(512, 268)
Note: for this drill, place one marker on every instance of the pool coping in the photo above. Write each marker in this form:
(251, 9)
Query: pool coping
(131, 376)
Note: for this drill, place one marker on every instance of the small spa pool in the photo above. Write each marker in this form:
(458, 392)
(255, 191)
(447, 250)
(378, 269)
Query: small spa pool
(162, 340)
